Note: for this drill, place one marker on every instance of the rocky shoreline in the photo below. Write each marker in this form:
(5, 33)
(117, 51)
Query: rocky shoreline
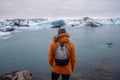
(17, 75)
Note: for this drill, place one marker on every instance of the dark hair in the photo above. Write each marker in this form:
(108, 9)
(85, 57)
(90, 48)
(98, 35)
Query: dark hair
(61, 30)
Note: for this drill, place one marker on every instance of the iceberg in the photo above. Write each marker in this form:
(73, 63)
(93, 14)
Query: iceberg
(58, 23)
(9, 25)
(46, 26)
(86, 21)
(91, 22)
(7, 29)
(33, 27)
(4, 33)
(109, 21)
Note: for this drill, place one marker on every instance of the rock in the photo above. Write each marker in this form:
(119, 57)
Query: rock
(103, 71)
(17, 75)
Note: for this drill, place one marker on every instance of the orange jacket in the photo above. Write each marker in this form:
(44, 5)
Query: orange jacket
(64, 37)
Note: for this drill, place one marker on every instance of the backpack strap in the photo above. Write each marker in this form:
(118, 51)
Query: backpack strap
(61, 44)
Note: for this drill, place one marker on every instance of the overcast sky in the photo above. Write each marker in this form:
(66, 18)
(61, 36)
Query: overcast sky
(59, 8)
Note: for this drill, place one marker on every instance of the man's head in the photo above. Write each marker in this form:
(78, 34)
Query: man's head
(61, 30)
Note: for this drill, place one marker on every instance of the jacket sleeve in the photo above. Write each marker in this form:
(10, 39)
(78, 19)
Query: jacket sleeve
(50, 54)
(73, 56)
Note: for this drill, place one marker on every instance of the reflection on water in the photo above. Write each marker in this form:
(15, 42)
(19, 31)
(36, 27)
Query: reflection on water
(29, 50)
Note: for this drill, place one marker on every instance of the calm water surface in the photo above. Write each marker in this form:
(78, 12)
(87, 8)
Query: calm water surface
(29, 50)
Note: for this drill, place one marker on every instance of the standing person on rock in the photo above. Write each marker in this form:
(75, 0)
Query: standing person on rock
(62, 56)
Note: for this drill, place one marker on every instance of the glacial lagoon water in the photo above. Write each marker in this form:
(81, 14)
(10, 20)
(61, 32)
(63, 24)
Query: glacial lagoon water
(29, 50)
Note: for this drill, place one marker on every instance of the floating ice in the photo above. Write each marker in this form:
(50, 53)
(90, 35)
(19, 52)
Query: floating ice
(4, 33)
(47, 24)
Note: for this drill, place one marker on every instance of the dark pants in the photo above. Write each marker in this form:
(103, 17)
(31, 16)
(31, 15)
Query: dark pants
(55, 76)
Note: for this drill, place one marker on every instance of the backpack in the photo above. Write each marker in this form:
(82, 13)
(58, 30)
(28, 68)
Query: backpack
(61, 55)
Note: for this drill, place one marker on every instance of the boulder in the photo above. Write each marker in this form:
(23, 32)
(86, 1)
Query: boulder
(17, 75)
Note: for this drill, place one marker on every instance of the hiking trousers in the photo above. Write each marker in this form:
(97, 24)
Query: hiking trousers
(55, 76)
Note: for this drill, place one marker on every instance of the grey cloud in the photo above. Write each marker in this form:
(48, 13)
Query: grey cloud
(58, 8)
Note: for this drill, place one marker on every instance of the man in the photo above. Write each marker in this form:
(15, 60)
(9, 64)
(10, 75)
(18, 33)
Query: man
(57, 70)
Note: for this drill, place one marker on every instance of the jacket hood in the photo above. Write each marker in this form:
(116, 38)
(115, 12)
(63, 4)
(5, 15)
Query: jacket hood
(64, 37)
